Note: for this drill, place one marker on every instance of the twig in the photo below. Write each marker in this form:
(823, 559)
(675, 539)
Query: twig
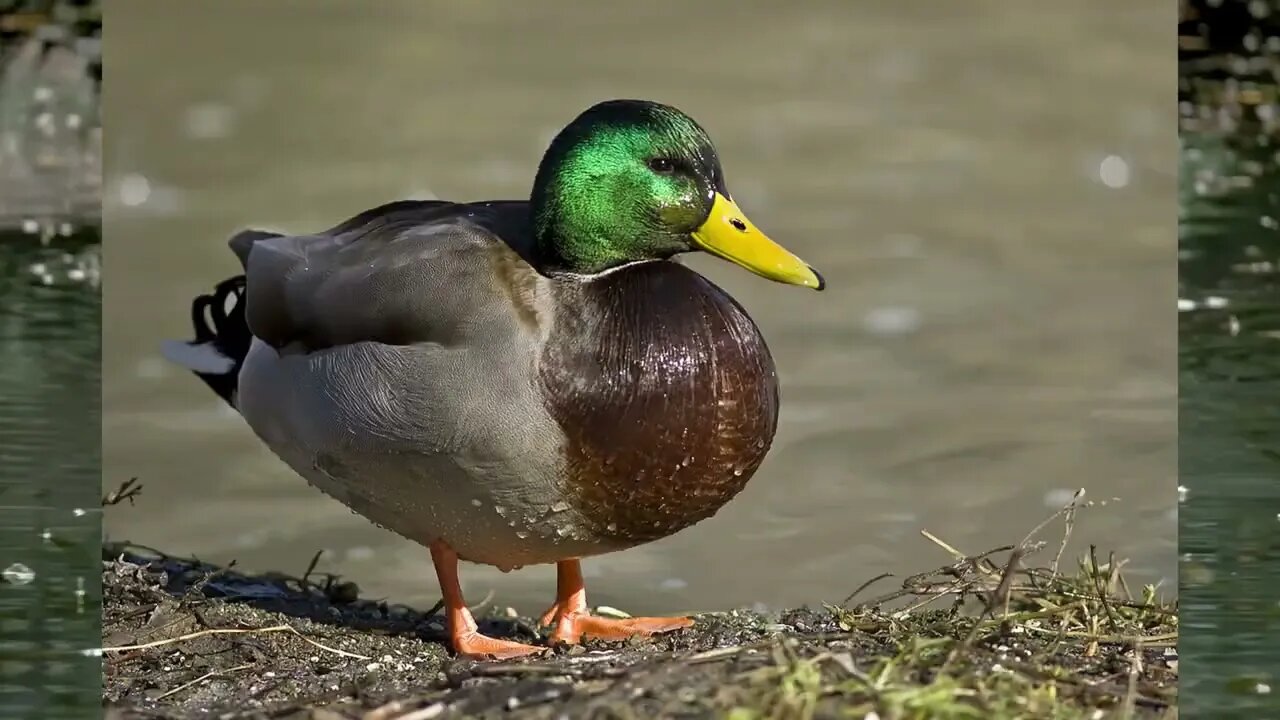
(724, 653)
(128, 490)
(391, 711)
(434, 608)
(716, 654)
(234, 631)
(1095, 580)
(205, 676)
(956, 588)
(385, 712)
(311, 567)
(864, 586)
(1157, 640)
(426, 713)
(1001, 591)
(1068, 524)
(196, 589)
(959, 556)
(1068, 508)
(920, 585)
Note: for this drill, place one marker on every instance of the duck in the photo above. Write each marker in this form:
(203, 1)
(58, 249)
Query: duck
(515, 382)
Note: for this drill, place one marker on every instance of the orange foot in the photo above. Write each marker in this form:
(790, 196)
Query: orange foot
(572, 626)
(475, 646)
(466, 640)
(572, 620)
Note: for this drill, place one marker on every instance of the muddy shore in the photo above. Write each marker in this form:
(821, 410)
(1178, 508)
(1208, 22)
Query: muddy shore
(987, 636)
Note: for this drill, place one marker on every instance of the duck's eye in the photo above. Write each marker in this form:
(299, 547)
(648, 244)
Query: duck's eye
(663, 166)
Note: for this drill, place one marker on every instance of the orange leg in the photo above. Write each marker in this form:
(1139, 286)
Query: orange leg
(573, 620)
(467, 641)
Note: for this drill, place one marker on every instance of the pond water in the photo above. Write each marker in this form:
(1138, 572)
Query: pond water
(997, 333)
(1229, 381)
(50, 435)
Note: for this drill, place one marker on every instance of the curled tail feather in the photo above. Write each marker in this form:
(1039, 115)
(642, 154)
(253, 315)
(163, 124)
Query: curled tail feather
(222, 339)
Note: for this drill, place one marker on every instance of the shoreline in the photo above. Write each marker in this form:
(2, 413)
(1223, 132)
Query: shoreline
(985, 636)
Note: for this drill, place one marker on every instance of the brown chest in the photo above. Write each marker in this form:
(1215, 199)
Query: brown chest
(667, 396)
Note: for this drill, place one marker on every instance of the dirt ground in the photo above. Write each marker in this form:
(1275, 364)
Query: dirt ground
(983, 637)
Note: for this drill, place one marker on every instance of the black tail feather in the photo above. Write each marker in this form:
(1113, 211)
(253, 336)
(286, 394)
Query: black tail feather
(219, 324)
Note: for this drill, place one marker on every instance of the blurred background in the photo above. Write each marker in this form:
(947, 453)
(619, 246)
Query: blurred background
(988, 188)
(50, 529)
(1229, 357)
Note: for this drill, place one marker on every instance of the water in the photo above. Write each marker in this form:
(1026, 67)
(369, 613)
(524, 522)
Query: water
(1230, 427)
(998, 329)
(50, 520)
(50, 135)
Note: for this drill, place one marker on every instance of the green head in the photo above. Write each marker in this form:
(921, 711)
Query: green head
(631, 180)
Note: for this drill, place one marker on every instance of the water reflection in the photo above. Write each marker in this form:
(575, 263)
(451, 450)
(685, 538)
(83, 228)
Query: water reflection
(1229, 371)
(50, 524)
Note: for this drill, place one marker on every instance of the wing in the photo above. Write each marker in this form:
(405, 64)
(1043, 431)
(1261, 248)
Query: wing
(404, 273)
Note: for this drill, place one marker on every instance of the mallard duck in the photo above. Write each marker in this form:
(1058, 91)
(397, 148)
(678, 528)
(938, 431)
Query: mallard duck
(515, 382)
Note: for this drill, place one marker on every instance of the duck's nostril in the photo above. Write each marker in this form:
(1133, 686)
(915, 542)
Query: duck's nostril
(741, 226)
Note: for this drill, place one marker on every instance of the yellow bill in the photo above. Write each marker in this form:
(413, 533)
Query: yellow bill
(728, 234)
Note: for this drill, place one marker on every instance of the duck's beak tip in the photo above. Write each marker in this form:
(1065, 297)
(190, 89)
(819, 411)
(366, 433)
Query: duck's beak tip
(822, 282)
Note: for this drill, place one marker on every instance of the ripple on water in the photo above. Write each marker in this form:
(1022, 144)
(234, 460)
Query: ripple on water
(1229, 306)
(50, 483)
